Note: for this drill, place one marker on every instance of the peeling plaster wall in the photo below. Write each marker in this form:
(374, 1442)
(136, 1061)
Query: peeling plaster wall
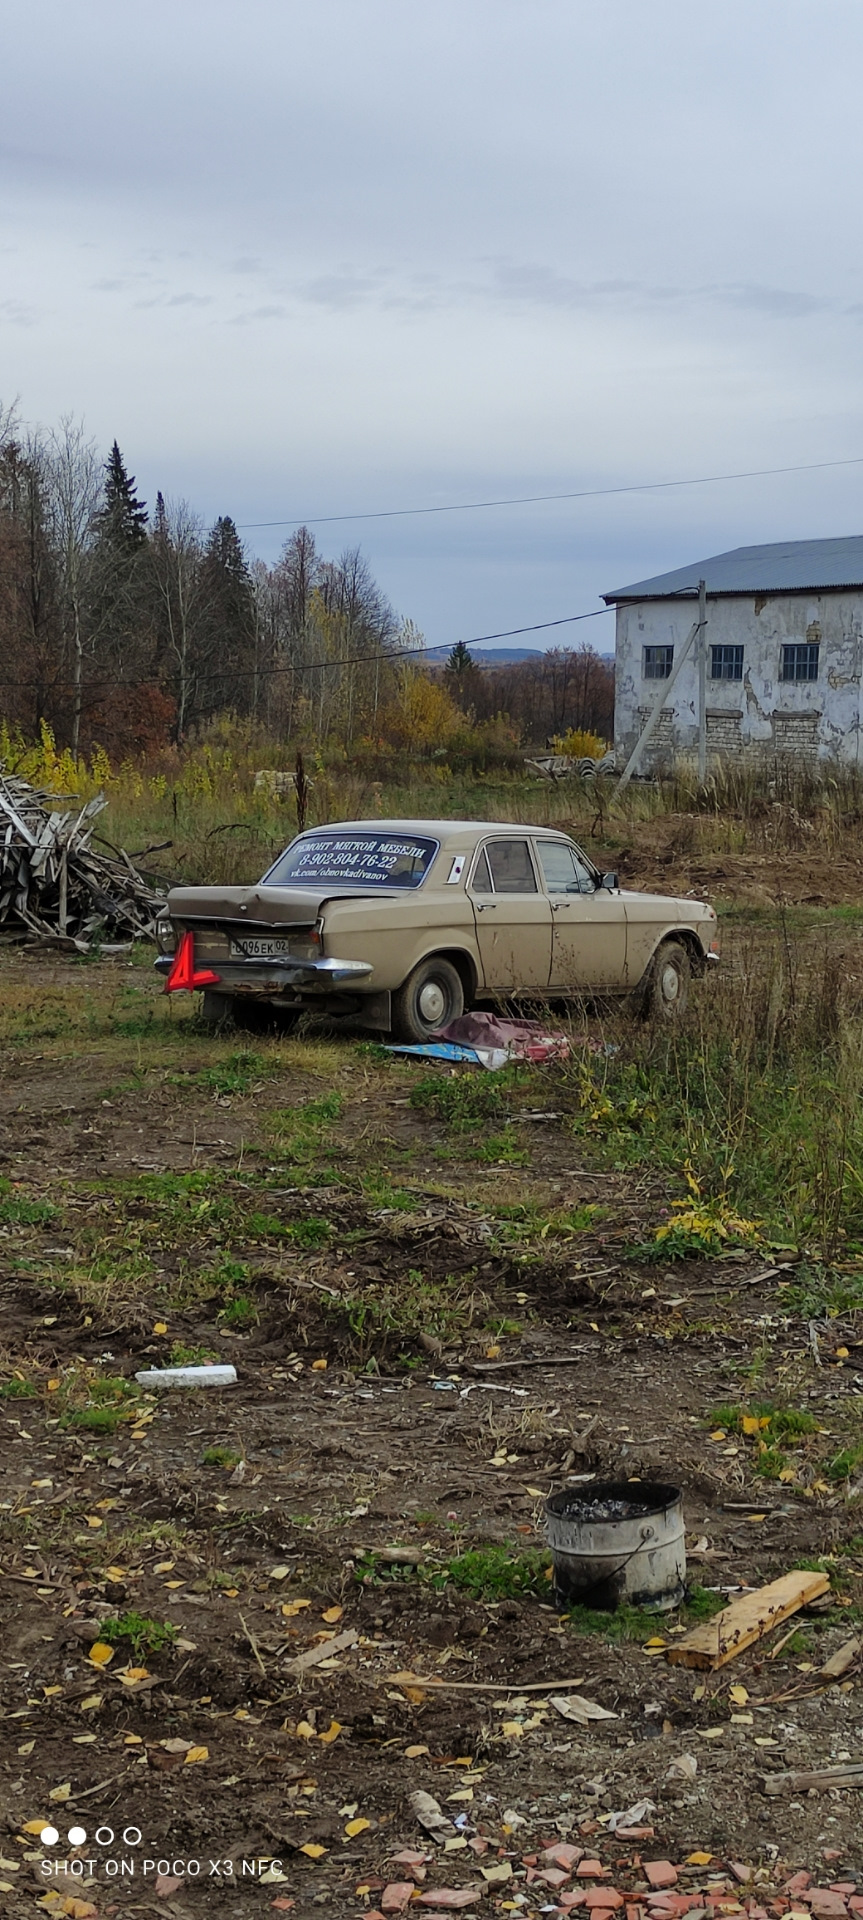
(762, 715)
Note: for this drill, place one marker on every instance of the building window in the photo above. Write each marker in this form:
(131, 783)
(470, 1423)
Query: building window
(726, 663)
(657, 662)
(799, 660)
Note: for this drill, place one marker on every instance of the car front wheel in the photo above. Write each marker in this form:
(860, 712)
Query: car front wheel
(667, 994)
(431, 997)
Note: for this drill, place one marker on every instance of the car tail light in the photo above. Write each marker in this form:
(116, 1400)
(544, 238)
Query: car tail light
(184, 975)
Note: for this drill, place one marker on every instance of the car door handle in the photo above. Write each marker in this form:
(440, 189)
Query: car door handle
(486, 906)
(557, 906)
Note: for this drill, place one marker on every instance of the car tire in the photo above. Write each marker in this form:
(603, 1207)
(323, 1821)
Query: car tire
(215, 1009)
(667, 995)
(251, 1016)
(430, 998)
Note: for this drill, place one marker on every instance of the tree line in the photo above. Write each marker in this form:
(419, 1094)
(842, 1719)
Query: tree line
(127, 628)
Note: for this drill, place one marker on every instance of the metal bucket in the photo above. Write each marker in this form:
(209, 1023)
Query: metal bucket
(618, 1543)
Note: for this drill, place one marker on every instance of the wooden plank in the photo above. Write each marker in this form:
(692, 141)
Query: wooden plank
(746, 1620)
(847, 1776)
(841, 1660)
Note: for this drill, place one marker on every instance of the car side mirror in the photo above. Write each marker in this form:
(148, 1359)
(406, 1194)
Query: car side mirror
(609, 882)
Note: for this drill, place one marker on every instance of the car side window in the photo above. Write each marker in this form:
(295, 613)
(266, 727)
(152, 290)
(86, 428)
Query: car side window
(481, 882)
(511, 866)
(563, 871)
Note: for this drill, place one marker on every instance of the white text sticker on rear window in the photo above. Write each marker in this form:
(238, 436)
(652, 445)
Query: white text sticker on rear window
(456, 870)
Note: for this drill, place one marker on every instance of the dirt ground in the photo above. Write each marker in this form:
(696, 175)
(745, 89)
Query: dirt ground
(428, 1339)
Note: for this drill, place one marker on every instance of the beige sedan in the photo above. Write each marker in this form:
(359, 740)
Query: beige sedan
(402, 924)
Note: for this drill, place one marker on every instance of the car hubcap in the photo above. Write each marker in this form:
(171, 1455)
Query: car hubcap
(670, 983)
(432, 1002)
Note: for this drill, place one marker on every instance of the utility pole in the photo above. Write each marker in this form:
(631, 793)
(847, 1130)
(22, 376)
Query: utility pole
(702, 683)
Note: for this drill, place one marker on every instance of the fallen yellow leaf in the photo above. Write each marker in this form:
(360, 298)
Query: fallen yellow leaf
(754, 1423)
(93, 1700)
(718, 1434)
(34, 1826)
(332, 1733)
(356, 1826)
(165, 1566)
(332, 1614)
(160, 1327)
(304, 1730)
(698, 1859)
(131, 1676)
(513, 1729)
(292, 1607)
(27, 1747)
(319, 1366)
(61, 1793)
(49, 1692)
(100, 1653)
(414, 1753)
(313, 1850)
(841, 1353)
(117, 1573)
(196, 1754)
(739, 1694)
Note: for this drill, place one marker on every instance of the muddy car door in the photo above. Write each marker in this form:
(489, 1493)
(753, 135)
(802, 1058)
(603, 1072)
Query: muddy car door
(589, 923)
(513, 916)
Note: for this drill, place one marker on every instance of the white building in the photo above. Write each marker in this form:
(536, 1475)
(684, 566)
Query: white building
(784, 654)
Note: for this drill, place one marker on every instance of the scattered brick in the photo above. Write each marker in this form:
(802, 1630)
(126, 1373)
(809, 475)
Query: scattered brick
(826, 1905)
(660, 1873)
(602, 1899)
(798, 1883)
(395, 1897)
(591, 1870)
(562, 1854)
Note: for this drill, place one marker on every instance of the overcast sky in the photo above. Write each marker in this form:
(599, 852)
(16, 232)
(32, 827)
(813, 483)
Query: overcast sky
(309, 259)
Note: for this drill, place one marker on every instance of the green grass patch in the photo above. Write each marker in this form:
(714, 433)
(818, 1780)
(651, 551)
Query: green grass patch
(183, 1356)
(388, 1316)
(220, 1457)
(145, 1635)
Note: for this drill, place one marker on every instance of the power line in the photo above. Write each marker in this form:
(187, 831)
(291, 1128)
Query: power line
(537, 499)
(314, 666)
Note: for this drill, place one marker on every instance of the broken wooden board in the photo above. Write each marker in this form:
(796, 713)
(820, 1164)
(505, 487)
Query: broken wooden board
(841, 1660)
(746, 1620)
(851, 1775)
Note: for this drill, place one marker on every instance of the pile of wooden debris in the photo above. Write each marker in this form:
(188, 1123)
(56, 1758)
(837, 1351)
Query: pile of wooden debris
(53, 886)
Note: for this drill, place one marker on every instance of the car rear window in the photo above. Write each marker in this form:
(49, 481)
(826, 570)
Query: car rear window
(355, 859)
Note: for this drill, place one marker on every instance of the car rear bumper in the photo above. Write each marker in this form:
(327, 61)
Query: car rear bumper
(272, 976)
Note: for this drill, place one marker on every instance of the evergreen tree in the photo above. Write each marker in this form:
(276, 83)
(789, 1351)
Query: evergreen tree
(460, 659)
(123, 517)
(229, 595)
(462, 675)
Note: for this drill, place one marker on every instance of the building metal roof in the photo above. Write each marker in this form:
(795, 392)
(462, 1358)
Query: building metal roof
(785, 566)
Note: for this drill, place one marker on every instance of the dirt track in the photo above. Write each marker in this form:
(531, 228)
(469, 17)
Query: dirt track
(346, 1436)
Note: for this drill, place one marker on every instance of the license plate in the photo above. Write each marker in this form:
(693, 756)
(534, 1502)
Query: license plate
(253, 949)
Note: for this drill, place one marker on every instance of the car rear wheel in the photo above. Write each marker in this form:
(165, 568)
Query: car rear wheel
(667, 994)
(431, 997)
(252, 1016)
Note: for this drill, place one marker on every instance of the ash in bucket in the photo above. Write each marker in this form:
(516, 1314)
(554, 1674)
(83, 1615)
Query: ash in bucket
(618, 1542)
(609, 1509)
